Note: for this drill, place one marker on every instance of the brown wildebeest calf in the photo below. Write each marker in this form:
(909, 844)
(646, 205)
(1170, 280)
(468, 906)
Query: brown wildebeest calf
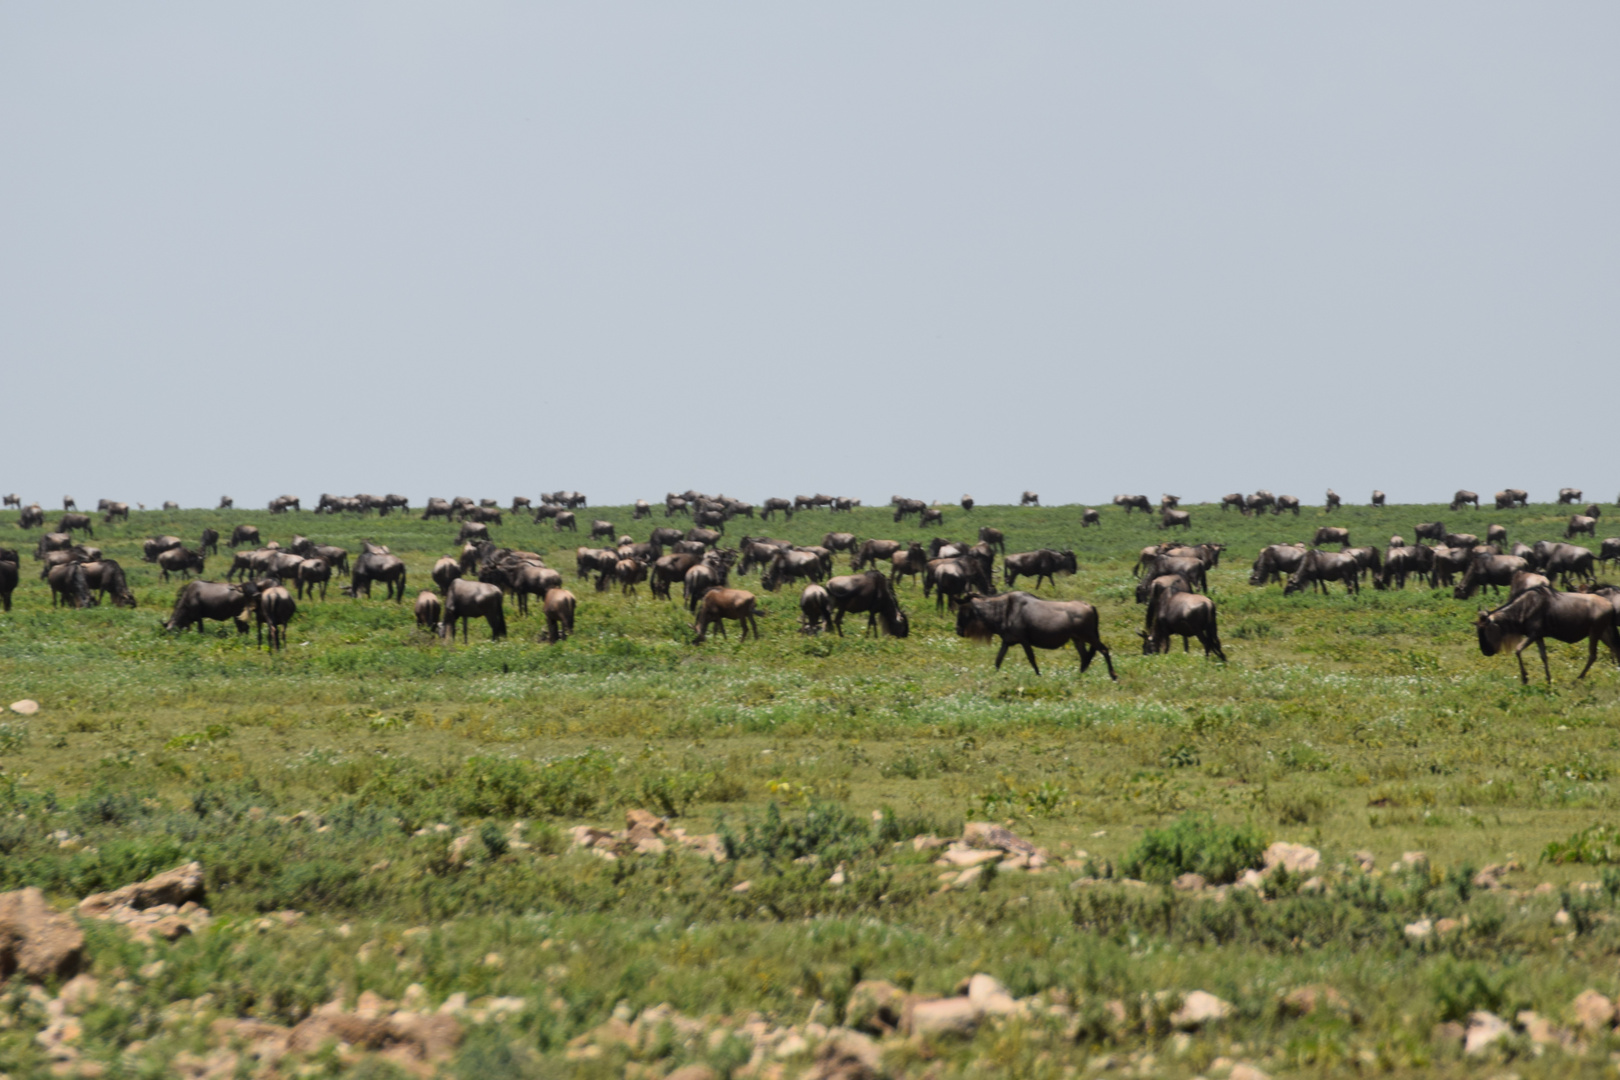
(721, 604)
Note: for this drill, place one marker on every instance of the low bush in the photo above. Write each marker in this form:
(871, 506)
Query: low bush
(1197, 844)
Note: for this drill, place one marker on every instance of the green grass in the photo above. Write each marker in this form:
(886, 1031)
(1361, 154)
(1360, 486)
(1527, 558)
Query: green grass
(1349, 723)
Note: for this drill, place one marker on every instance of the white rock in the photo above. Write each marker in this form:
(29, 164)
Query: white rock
(1295, 858)
(1484, 1029)
(25, 707)
(1199, 1008)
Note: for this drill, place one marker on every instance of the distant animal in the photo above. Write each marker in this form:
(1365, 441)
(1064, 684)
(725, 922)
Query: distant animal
(171, 506)
(1173, 518)
(71, 522)
(427, 610)
(1494, 571)
(1044, 563)
(559, 610)
(1580, 523)
(209, 544)
(721, 604)
(1318, 568)
(967, 503)
(1378, 498)
(371, 567)
(244, 534)
(1231, 500)
(1462, 498)
(1568, 495)
(815, 610)
(1018, 618)
(871, 594)
(116, 510)
(313, 573)
(1133, 502)
(1286, 502)
(1332, 500)
(1029, 498)
(467, 600)
(225, 503)
(564, 519)
(8, 582)
(276, 609)
(1327, 534)
(1539, 614)
(180, 561)
(1090, 518)
(1429, 530)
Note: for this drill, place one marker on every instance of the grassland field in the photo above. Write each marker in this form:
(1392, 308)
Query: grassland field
(1366, 723)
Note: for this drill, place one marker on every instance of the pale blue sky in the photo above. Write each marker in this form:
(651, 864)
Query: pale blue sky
(924, 248)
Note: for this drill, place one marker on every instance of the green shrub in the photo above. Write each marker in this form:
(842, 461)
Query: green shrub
(1596, 844)
(1195, 844)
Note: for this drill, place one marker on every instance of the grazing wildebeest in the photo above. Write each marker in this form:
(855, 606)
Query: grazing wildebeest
(1610, 549)
(312, 573)
(871, 594)
(1593, 510)
(370, 567)
(994, 537)
(905, 507)
(444, 572)
(1169, 502)
(53, 541)
(706, 537)
(874, 551)
(472, 530)
(1580, 523)
(564, 520)
(1448, 562)
(711, 518)
(815, 610)
(115, 510)
(629, 573)
(337, 558)
(8, 581)
(282, 503)
(171, 505)
(1024, 620)
(1378, 498)
(1520, 496)
(674, 505)
(1259, 501)
(1174, 612)
(106, 576)
(1563, 561)
(1524, 581)
(1029, 498)
(1090, 518)
(558, 607)
(759, 552)
(70, 585)
(523, 503)
(157, 545)
(70, 522)
(665, 537)
(1332, 500)
(1208, 554)
(1494, 571)
(1190, 570)
(1539, 614)
(1037, 564)
(932, 515)
(436, 508)
(466, 600)
(243, 534)
(225, 503)
(1462, 497)
(908, 563)
(180, 561)
(1429, 530)
(277, 608)
(209, 544)
(32, 517)
(1286, 502)
(1460, 540)
(1134, 502)
(12, 500)
(1318, 568)
(967, 503)
(952, 579)
(1496, 534)
(199, 600)
(1170, 518)
(771, 506)
(427, 610)
(722, 604)
(1229, 501)
(841, 541)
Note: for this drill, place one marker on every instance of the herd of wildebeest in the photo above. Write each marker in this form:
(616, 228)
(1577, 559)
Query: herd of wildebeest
(1552, 589)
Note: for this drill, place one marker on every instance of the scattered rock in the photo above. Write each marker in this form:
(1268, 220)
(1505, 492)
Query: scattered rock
(1306, 1000)
(693, 1072)
(1446, 926)
(25, 707)
(963, 857)
(990, 996)
(1199, 1008)
(1421, 929)
(986, 834)
(1541, 1031)
(1365, 860)
(36, 941)
(1244, 1071)
(1414, 858)
(1295, 858)
(181, 885)
(1592, 1011)
(847, 1055)
(875, 1006)
(1485, 1029)
(926, 843)
(953, 1016)
(968, 877)
(742, 886)
(1449, 1033)
(1190, 882)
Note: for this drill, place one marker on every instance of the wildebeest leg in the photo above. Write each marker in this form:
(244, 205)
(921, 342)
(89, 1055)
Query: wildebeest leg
(1591, 655)
(1001, 654)
(1184, 647)
(1030, 654)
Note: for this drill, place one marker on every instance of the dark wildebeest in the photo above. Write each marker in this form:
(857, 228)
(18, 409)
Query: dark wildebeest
(1564, 561)
(844, 505)
(69, 504)
(444, 572)
(598, 561)
(8, 581)
(759, 552)
(1566, 496)
(1177, 613)
(1448, 562)
(171, 505)
(558, 608)
(1037, 564)
(1494, 571)
(1462, 497)
(1520, 496)
(1258, 502)
(1090, 518)
(967, 503)
(1580, 523)
(1286, 502)
(525, 504)
(277, 608)
(1190, 570)
(1593, 510)
(675, 505)
(337, 558)
(665, 537)
(1169, 502)
(711, 518)
(1367, 558)
(32, 517)
(629, 573)
(1496, 534)
(911, 562)
(53, 541)
(874, 551)
(669, 569)
(1318, 568)
(871, 594)
(70, 585)
(1208, 554)
(209, 544)
(180, 561)
(932, 515)
(711, 573)
(1378, 498)
(815, 610)
(436, 508)
(1169, 518)
(70, 522)
(370, 567)
(466, 600)
(994, 537)
(282, 503)
(905, 507)
(1024, 620)
(841, 541)
(1504, 500)
(106, 576)
(116, 510)
(952, 579)
(1229, 501)
(722, 604)
(706, 537)
(199, 600)
(1429, 530)
(157, 545)
(472, 530)
(771, 506)
(1134, 502)
(242, 534)
(1029, 498)
(1401, 561)
(427, 610)
(564, 520)
(1609, 550)
(1461, 540)
(1332, 500)
(1542, 613)
(312, 573)
(12, 500)
(641, 509)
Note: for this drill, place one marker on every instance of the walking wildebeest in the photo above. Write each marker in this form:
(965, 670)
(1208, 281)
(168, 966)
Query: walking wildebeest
(1332, 500)
(116, 510)
(1318, 568)
(32, 517)
(1448, 562)
(312, 573)
(276, 607)
(157, 545)
(815, 610)
(1542, 613)
(1494, 571)
(874, 551)
(13, 501)
(1174, 612)
(1609, 550)
(1024, 620)
(558, 607)
(466, 600)
(180, 561)
(908, 563)
(1090, 518)
(370, 567)
(68, 503)
(1259, 501)
(564, 519)
(841, 541)
(1496, 534)
(1429, 530)
(1569, 495)
(106, 576)
(1029, 498)
(8, 581)
(200, 600)
(1580, 523)
(994, 537)
(1286, 502)
(225, 503)
(427, 610)
(1170, 518)
(1229, 501)
(722, 604)
(1134, 502)
(242, 534)
(871, 594)
(1563, 561)
(1462, 497)
(70, 522)
(771, 506)
(209, 544)
(1460, 540)
(1037, 564)
(70, 585)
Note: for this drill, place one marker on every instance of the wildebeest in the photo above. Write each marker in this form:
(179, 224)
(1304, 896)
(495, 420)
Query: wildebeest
(31, 517)
(1564, 561)
(370, 567)
(209, 544)
(1539, 614)
(337, 558)
(70, 586)
(1090, 518)
(115, 510)
(282, 503)
(564, 519)
(200, 600)
(967, 503)
(436, 508)
(722, 604)
(1171, 518)
(771, 506)
(1169, 502)
(1520, 496)
(874, 551)
(157, 545)
(1568, 495)
(1029, 498)
(1377, 498)
(107, 577)
(1460, 540)
(52, 541)
(472, 530)
(1429, 530)
(1496, 534)
(1580, 523)
(669, 569)
(1332, 500)
(1448, 562)
(1037, 564)
(1133, 502)
(466, 600)
(871, 594)
(8, 581)
(1593, 510)
(444, 572)
(1610, 549)
(911, 562)
(1494, 571)
(791, 564)
(1318, 568)
(1175, 612)
(840, 541)
(932, 515)
(243, 534)
(952, 579)
(558, 607)
(71, 522)
(905, 507)
(13, 500)
(1259, 501)
(1024, 620)
(994, 537)
(427, 610)
(711, 573)
(1462, 497)
(1504, 500)
(815, 610)
(171, 505)
(68, 503)
(1286, 502)
(1367, 558)
(312, 573)
(1189, 569)
(1229, 501)
(275, 607)
(180, 561)
(706, 537)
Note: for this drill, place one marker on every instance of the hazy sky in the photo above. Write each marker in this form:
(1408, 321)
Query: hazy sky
(916, 248)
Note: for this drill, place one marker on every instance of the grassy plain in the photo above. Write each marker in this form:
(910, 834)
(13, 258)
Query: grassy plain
(1366, 723)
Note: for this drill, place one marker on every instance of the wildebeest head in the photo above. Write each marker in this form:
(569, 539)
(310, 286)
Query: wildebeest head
(1493, 638)
(970, 621)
